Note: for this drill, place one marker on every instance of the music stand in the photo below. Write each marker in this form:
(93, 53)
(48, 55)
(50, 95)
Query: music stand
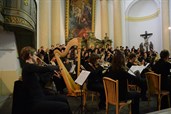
(80, 81)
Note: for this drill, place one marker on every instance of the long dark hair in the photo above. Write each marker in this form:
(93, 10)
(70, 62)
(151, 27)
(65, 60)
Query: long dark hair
(118, 61)
(93, 58)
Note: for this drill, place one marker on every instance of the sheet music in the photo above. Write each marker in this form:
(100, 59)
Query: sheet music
(131, 72)
(135, 68)
(82, 77)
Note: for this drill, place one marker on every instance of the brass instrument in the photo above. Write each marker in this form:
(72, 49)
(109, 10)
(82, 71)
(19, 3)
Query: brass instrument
(73, 88)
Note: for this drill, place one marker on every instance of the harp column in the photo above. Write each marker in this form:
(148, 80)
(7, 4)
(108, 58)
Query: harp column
(55, 22)
(165, 24)
(44, 23)
(117, 23)
(105, 20)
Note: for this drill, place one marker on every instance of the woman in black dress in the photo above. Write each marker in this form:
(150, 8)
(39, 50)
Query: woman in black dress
(118, 71)
(94, 82)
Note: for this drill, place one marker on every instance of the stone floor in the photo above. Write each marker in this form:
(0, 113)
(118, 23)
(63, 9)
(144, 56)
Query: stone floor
(91, 107)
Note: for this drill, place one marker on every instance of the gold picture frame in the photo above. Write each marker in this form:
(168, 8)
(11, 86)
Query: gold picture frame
(79, 18)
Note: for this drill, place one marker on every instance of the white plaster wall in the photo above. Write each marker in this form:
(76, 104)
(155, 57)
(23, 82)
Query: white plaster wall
(127, 3)
(143, 8)
(135, 29)
(8, 52)
(9, 63)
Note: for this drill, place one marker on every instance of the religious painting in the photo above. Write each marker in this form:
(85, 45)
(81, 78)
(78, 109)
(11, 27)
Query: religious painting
(80, 17)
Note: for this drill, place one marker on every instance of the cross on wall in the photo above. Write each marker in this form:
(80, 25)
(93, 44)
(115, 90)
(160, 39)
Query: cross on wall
(146, 36)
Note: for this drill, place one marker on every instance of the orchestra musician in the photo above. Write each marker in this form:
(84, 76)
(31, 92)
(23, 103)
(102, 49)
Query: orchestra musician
(38, 102)
(163, 67)
(57, 78)
(133, 61)
(51, 83)
(95, 82)
(118, 71)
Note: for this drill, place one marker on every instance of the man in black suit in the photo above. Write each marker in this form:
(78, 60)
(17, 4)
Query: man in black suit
(163, 67)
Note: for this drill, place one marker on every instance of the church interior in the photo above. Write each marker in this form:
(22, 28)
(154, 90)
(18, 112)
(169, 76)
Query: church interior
(65, 33)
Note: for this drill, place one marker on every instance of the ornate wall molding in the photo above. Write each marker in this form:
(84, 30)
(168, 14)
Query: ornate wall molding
(18, 21)
(143, 18)
(20, 13)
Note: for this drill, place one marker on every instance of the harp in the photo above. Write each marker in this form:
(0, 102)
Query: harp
(73, 88)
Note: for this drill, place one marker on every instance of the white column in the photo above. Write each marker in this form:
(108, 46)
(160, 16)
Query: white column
(37, 1)
(44, 23)
(165, 24)
(55, 22)
(104, 15)
(117, 23)
(98, 20)
(111, 20)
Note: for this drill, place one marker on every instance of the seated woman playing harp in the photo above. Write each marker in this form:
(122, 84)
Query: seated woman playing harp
(72, 87)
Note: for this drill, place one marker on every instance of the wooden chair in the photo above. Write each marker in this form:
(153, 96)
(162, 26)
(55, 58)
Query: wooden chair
(154, 88)
(92, 94)
(112, 95)
(133, 87)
